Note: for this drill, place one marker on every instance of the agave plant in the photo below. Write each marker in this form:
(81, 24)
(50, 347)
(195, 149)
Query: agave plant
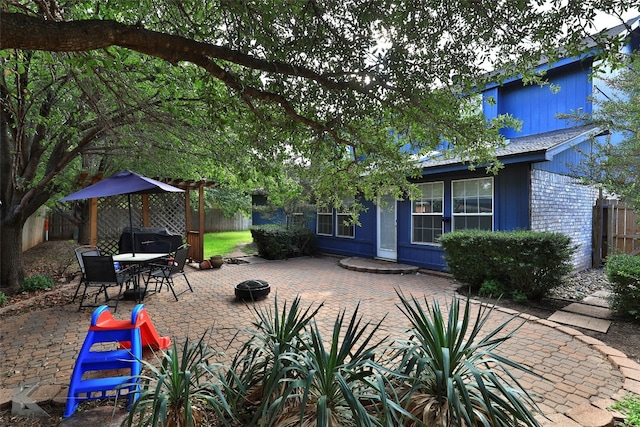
(255, 378)
(334, 386)
(179, 390)
(448, 373)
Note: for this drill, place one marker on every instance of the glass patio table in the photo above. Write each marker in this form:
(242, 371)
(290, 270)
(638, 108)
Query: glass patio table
(139, 259)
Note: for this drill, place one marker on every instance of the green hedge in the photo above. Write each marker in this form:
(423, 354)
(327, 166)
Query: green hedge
(623, 271)
(528, 264)
(278, 242)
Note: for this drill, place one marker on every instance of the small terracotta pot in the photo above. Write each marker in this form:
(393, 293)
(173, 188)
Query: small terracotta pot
(205, 265)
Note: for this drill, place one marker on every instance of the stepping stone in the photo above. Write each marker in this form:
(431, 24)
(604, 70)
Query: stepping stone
(601, 294)
(600, 302)
(581, 321)
(557, 420)
(589, 310)
(588, 415)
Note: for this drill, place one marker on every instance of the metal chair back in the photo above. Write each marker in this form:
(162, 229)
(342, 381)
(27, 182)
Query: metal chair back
(179, 260)
(100, 269)
(85, 251)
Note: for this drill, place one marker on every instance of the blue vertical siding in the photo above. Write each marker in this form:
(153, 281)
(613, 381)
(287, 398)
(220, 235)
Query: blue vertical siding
(512, 193)
(511, 212)
(537, 106)
(490, 99)
(563, 161)
(364, 242)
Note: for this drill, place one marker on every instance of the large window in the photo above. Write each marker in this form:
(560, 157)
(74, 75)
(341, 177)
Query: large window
(472, 204)
(426, 213)
(324, 223)
(344, 225)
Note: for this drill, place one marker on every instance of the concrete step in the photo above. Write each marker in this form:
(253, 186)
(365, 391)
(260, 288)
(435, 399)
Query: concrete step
(597, 301)
(589, 310)
(601, 294)
(581, 321)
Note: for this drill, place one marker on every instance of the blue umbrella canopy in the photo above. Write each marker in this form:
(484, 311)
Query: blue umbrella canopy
(125, 182)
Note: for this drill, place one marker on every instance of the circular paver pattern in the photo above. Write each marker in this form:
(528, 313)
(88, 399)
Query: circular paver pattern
(41, 347)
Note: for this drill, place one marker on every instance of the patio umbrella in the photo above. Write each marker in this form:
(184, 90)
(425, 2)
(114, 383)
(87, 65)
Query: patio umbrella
(125, 182)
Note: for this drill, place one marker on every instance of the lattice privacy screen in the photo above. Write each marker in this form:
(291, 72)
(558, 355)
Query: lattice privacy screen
(165, 210)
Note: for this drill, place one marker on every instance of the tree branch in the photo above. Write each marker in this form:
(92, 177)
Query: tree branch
(24, 32)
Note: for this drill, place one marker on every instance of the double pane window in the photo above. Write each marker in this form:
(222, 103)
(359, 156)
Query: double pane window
(472, 204)
(324, 223)
(426, 213)
(344, 224)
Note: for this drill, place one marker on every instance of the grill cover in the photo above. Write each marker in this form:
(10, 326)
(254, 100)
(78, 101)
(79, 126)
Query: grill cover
(149, 239)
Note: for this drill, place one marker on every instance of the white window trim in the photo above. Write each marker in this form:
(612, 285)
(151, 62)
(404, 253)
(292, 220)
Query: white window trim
(461, 214)
(353, 227)
(441, 214)
(318, 215)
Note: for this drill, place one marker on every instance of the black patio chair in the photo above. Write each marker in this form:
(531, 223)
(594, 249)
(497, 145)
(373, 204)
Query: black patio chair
(100, 272)
(86, 250)
(162, 274)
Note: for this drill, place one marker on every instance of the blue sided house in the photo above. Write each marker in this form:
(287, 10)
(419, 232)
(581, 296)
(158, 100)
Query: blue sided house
(534, 191)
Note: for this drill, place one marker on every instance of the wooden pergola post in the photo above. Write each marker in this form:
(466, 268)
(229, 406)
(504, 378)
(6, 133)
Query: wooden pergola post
(145, 210)
(195, 238)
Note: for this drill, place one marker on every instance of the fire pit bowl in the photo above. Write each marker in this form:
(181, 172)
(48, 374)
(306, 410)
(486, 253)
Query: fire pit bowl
(252, 290)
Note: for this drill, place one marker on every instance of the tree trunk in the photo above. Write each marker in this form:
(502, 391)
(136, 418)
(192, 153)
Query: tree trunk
(84, 229)
(83, 233)
(11, 266)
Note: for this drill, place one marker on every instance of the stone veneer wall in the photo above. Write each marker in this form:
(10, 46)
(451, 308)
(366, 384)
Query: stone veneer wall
(560, 204)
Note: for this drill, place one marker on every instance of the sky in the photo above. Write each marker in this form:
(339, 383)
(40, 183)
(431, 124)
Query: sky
(604, 21)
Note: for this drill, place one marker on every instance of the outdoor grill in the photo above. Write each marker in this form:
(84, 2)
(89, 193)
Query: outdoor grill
(149, 239)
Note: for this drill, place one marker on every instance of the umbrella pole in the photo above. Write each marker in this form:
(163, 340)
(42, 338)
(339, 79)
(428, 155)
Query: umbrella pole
(133, 246)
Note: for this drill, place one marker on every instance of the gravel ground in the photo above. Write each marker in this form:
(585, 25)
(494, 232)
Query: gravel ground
(581, 285)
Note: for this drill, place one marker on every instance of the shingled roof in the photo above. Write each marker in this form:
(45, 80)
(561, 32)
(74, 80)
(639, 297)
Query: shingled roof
(537, 147)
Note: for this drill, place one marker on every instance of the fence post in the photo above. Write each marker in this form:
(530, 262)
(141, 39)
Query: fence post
(596, 259)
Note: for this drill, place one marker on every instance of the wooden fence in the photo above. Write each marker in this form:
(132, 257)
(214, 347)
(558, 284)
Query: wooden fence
(33, 232)
(615, 230)
(61, 228)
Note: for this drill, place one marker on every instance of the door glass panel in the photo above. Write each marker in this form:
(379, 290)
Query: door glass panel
(388, 225)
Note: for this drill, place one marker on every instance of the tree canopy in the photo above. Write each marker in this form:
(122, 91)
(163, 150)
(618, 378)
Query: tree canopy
(348, 91)
(613, 163)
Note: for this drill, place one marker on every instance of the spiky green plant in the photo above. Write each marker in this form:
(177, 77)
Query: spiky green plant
(181, 392)
(334, 386)
(256, 373)
(448, 373)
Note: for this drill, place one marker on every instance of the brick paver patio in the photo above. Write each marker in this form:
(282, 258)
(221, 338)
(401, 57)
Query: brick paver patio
(41, 347)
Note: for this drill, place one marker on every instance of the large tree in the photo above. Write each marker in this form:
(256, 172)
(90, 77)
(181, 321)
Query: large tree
(614, 162)
(349, 89)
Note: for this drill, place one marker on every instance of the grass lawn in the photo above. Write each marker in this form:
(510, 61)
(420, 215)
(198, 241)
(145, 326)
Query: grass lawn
(224, 242)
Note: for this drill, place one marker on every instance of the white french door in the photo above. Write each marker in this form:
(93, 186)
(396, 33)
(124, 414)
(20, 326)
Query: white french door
(387, 229)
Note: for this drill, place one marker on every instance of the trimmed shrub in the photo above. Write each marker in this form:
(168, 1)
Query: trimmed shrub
(528, 263)
(623, 271)
(278, 242)
(36, 283)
